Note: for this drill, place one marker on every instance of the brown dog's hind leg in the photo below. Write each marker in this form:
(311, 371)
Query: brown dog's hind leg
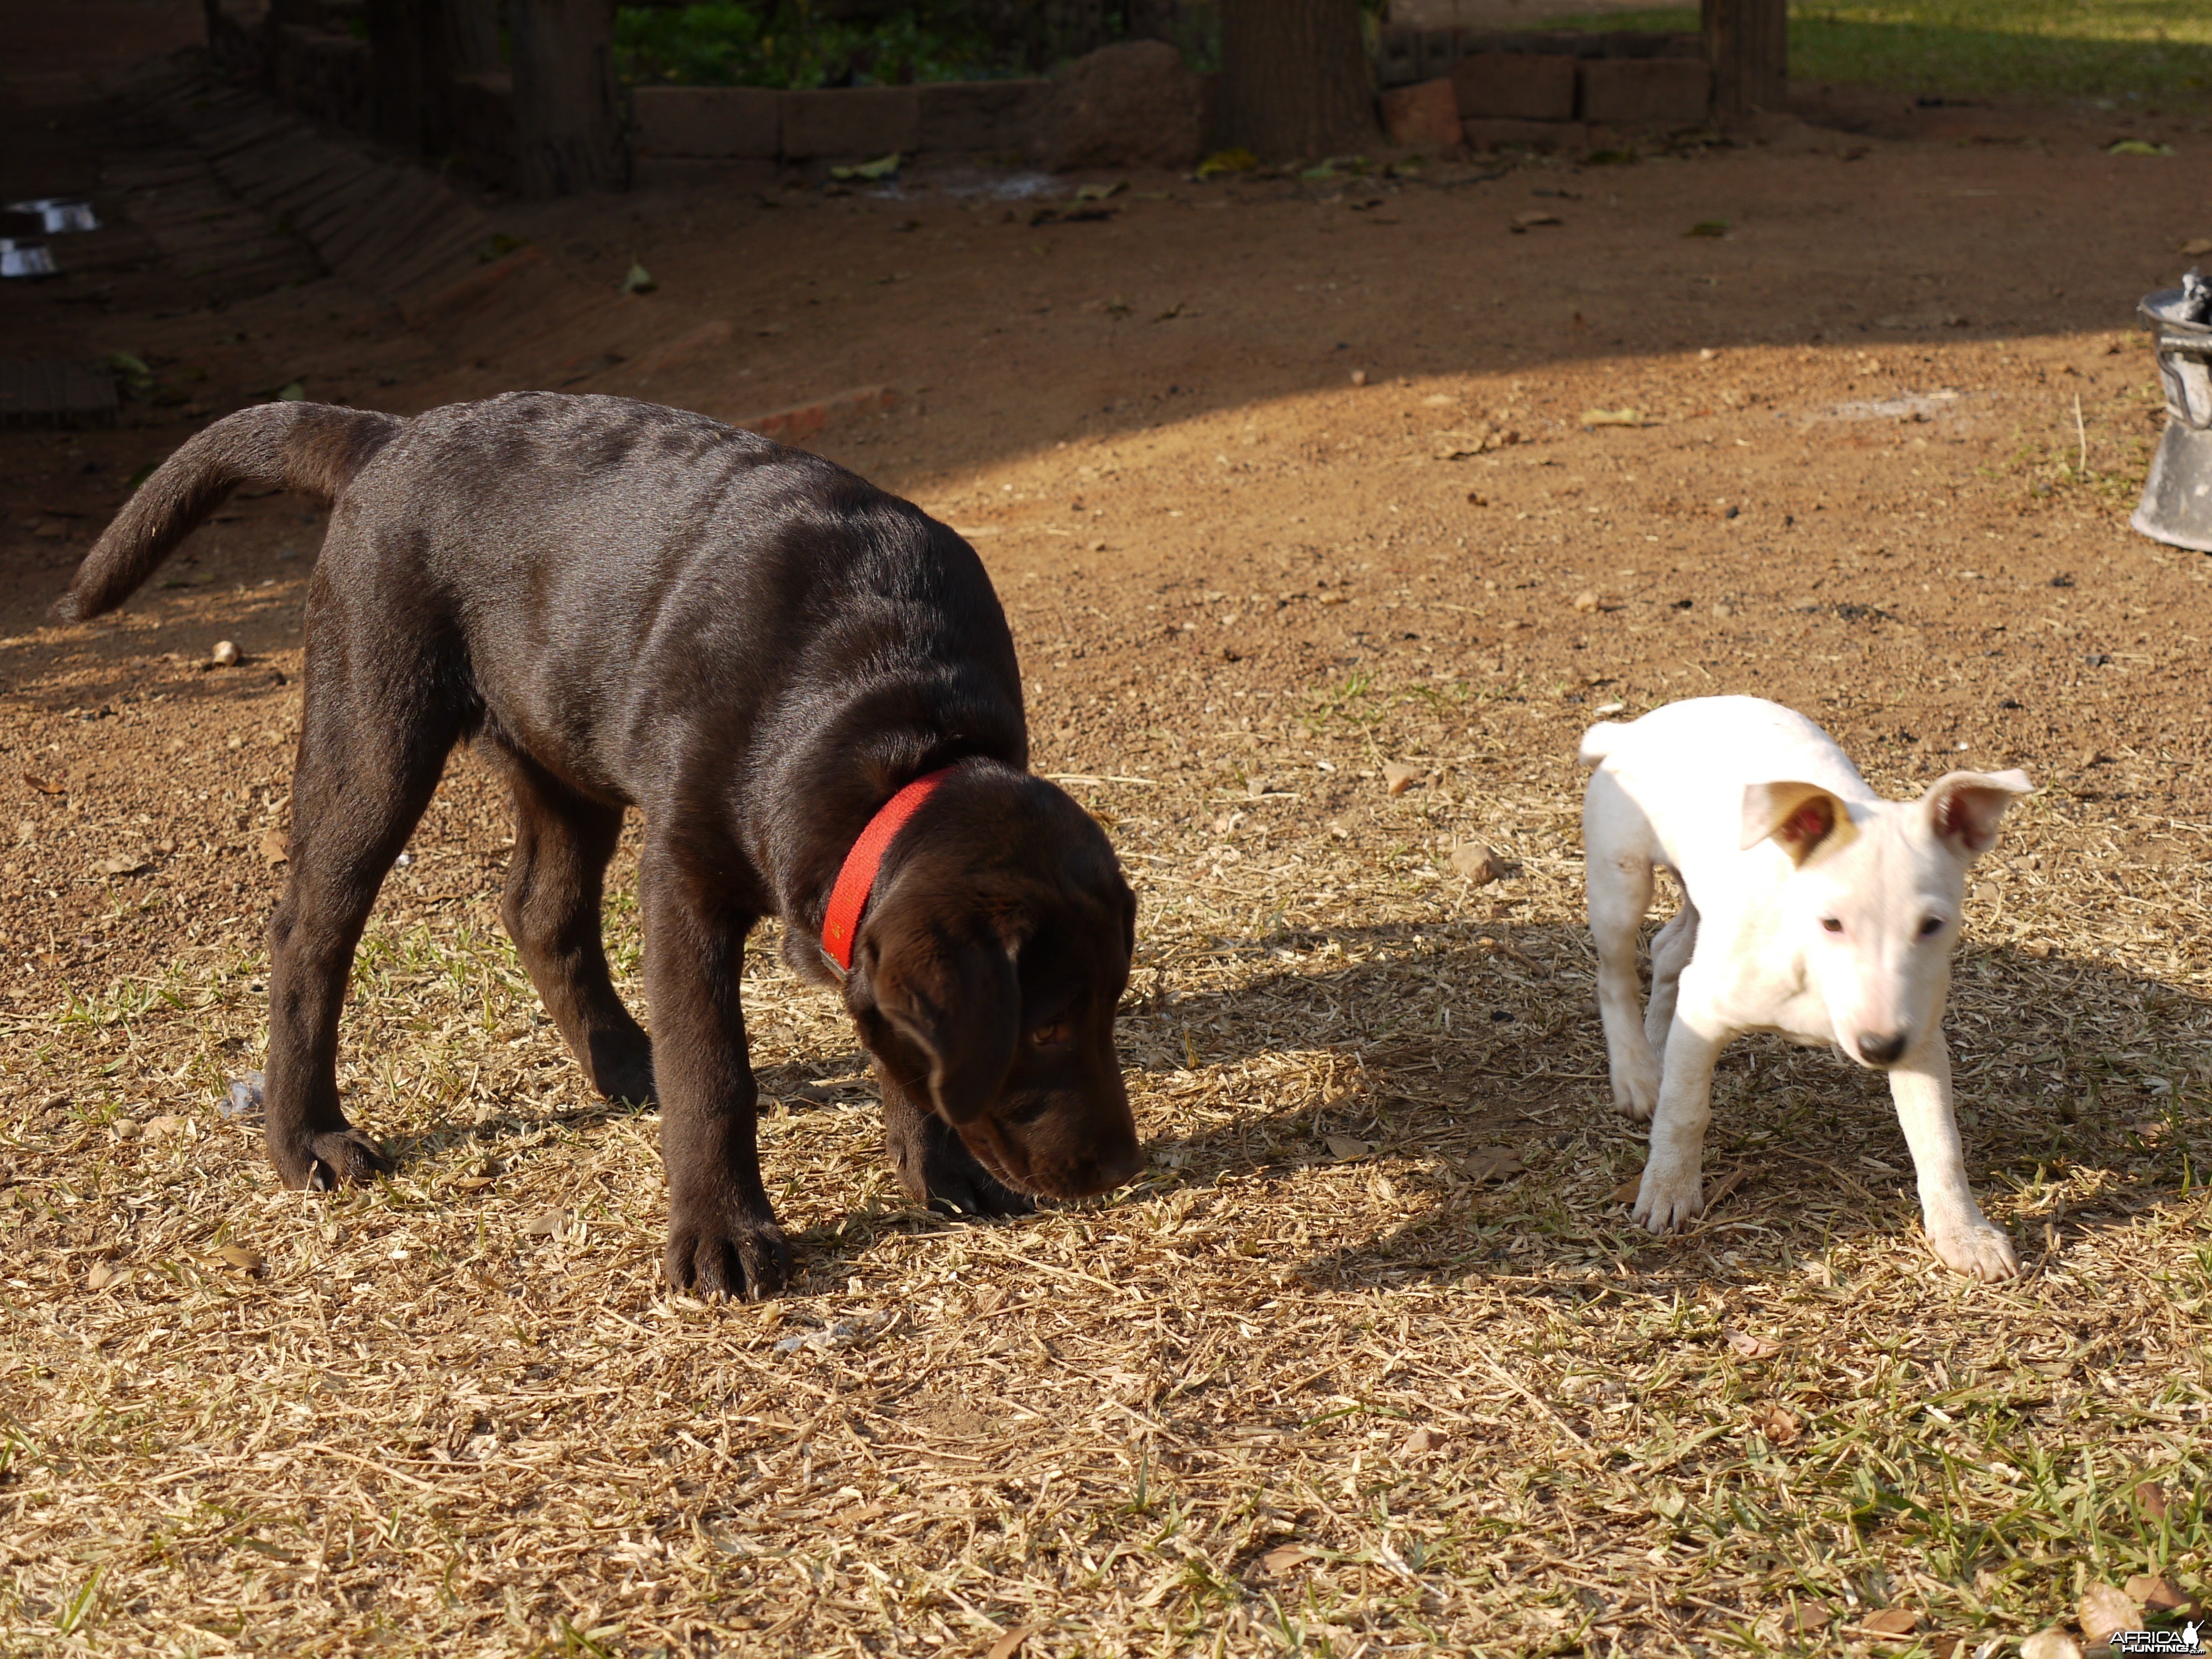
(562, 845)
(723, 1239)
(934, 1165)
(371, 743)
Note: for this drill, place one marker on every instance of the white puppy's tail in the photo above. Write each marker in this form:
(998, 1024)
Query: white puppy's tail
(1598, 742)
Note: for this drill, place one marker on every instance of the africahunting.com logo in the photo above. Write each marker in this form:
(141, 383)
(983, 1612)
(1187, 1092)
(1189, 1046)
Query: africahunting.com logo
(2184, 1640)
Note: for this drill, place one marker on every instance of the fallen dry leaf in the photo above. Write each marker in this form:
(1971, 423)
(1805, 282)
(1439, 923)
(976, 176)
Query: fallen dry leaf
(44, 787)
(1011, 1644)
(1750, 1346)
(1344, 1146)
(102, 1274)
(1717, 1190)
(238, 1256)
(166, 1124)
(2105, 1608)
(274, 849)
(1478, 863)
(2151, 1497)
(547, 1223)
(1494, 1164)
(2196, 245)
(1534, 216)
(1625, 1192)
(1423, 1440)
(1890, 1621)
(123, 863)
(1587, 599)
(1476, 440)
(1285, 1558)
(1612, 417)
(1811, 1616)
(2161, 1593)
(1398, 777)
(2053, 1644)
(1779, 1424)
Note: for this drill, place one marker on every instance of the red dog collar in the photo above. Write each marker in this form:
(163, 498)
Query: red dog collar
(856, 878)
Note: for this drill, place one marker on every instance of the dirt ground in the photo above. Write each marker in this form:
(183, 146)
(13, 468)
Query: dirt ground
(1371, 1359)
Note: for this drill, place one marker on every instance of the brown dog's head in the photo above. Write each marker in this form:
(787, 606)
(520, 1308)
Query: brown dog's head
(985, 975)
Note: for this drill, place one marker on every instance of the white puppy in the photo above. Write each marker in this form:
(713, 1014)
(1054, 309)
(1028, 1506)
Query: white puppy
(1812, 908)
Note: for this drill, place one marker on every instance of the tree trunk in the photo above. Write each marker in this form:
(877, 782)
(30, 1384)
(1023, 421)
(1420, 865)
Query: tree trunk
(1294, 79)
(1747, 44)
(566, 125)
(468, 36)
(416, 48)
(405, 102)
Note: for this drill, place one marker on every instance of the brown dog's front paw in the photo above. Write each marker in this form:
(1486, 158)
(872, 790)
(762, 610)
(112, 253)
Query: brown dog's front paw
(620, 1068)
(333, 1159)
(709, 1257)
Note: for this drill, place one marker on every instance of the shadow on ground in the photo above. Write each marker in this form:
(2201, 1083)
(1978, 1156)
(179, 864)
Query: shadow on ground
(1804, 1153)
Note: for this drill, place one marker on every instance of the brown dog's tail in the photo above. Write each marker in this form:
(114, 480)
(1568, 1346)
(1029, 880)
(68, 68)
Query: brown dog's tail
(313, 448)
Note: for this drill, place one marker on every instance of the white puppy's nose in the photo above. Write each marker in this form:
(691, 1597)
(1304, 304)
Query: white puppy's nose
(1881, 1048)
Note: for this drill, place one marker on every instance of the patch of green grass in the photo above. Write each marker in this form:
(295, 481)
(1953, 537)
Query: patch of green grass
(782, 42)
(2126, 50)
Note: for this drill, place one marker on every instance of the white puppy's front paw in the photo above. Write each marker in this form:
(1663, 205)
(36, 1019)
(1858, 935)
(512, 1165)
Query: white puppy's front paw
(1668, 1201)
(1976, 1249)
(1636, 1088)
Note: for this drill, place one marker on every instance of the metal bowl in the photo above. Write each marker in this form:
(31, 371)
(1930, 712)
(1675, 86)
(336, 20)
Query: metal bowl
(2177, 500)
(59, 214)
(19, 259)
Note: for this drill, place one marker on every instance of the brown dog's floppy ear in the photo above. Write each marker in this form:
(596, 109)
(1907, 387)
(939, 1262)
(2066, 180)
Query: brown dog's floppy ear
(958, 1002)
(1964, 807)
(1803, 818)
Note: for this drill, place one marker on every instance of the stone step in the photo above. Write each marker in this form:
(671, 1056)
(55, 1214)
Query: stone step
(54, 393)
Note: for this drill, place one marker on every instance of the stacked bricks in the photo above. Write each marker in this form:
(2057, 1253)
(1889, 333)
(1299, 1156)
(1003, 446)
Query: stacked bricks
(755, 124)
(1547, 91)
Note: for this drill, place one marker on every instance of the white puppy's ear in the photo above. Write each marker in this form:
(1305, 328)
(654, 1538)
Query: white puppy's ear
(1964, 807)
(1802, 818)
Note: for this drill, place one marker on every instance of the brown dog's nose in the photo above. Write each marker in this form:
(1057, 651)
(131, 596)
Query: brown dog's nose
(1882, 1050)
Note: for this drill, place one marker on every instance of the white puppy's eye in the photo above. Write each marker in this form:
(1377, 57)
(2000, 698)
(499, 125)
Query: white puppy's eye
(1831, 925)
(1931, 926)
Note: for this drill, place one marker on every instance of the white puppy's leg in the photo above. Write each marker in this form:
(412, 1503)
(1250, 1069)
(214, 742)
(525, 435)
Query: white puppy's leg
(1620, 880)
(1963, 1238)
(1671, 950)
(1674, 1176)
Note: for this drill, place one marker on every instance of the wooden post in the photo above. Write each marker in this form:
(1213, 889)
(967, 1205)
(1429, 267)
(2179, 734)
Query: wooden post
(1747, 44)
(402, 94)
(468, 39)
(566, 124)
(1294, 78)
(417, 47)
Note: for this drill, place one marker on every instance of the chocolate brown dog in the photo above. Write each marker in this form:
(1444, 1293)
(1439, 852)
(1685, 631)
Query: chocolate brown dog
(626, 605)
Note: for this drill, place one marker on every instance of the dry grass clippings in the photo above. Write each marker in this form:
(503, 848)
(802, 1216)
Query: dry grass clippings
(1370, 1357)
